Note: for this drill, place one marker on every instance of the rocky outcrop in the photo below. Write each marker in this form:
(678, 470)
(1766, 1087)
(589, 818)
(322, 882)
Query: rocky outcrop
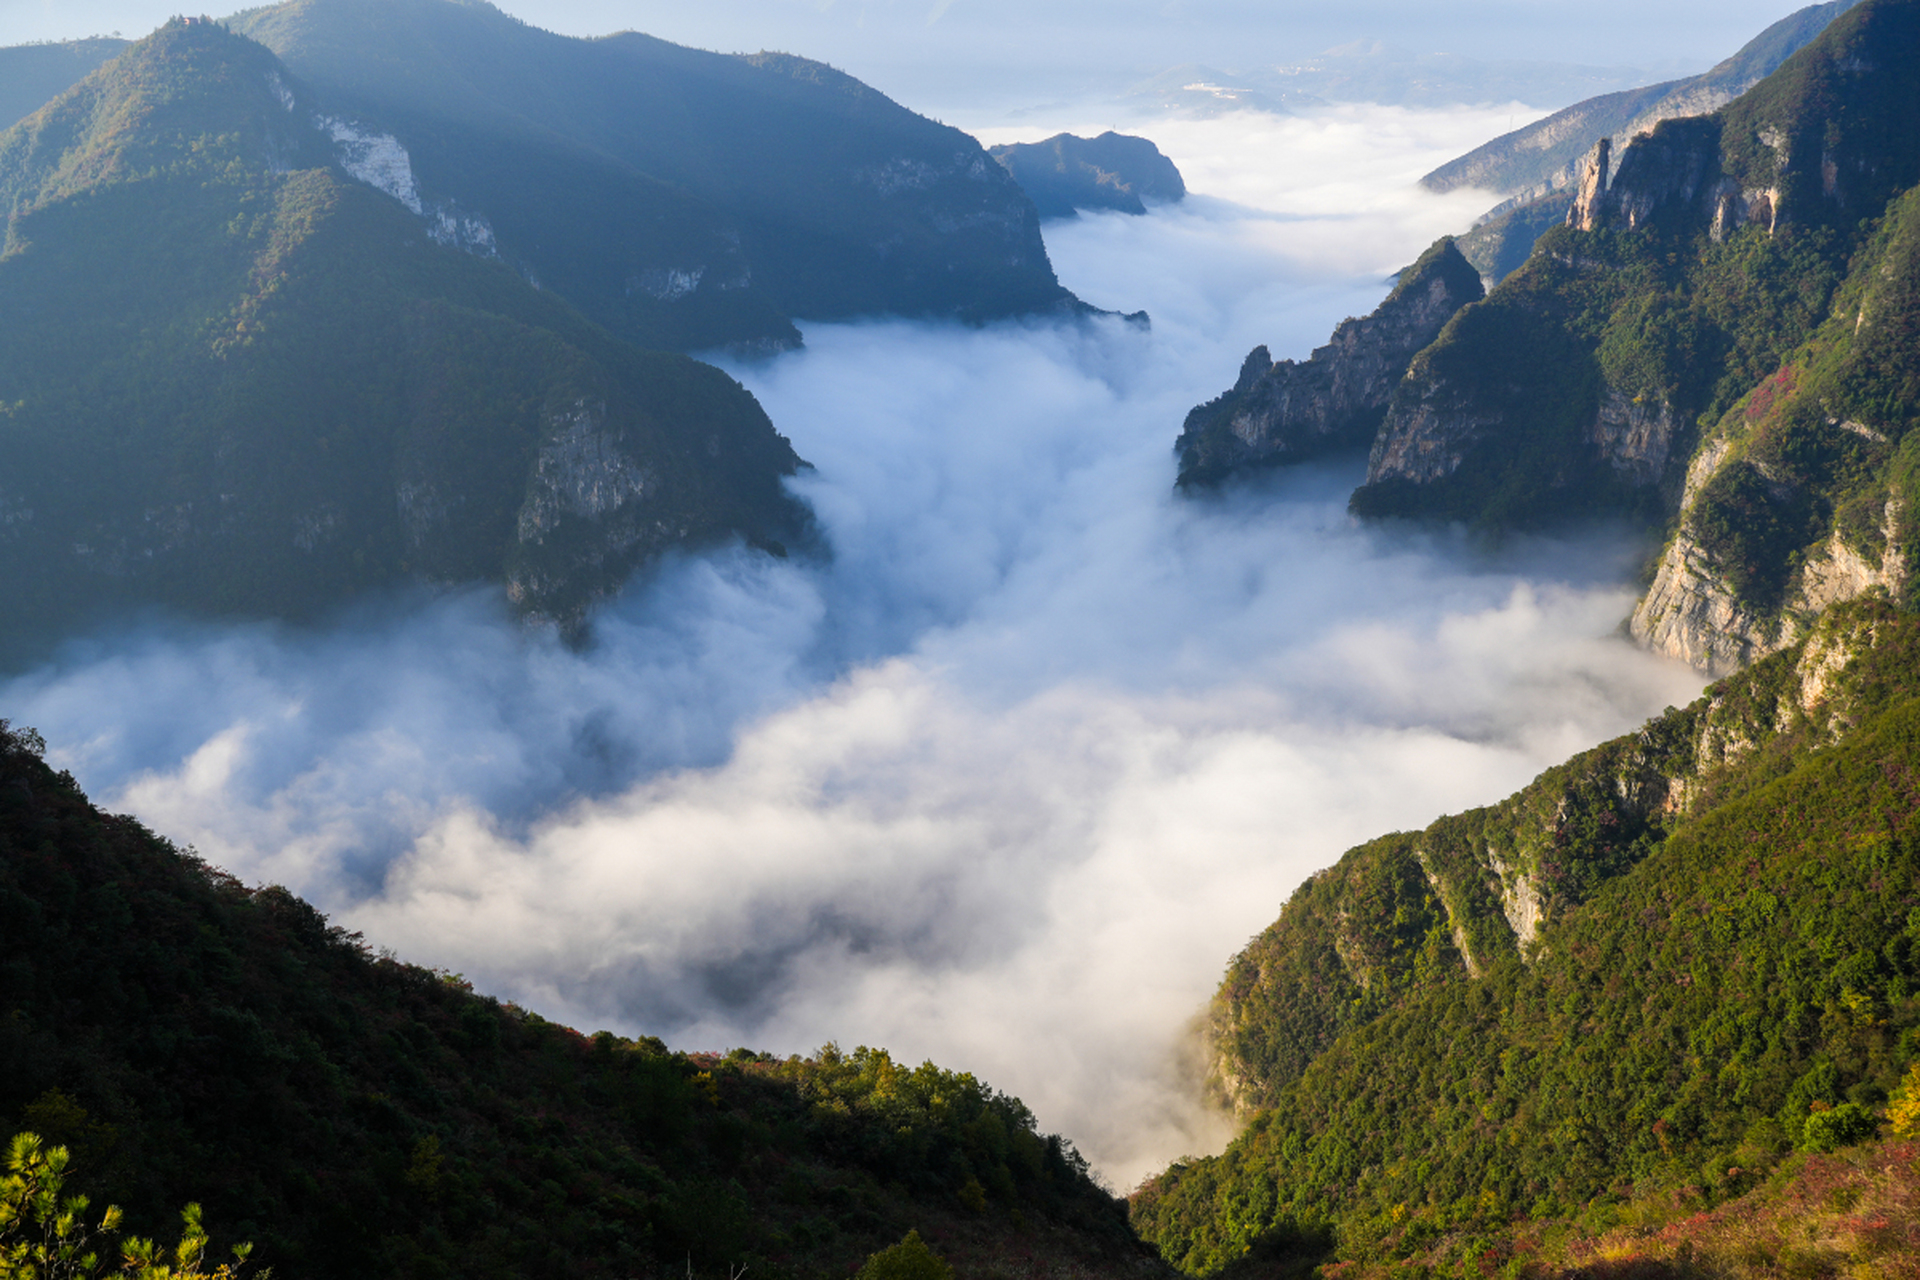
(1692, 612)
(1428, 431)
(1287, 412)
(1481, 890)
(1634, 435)
(1548, 155)
(1065, 174)
(1670, 166)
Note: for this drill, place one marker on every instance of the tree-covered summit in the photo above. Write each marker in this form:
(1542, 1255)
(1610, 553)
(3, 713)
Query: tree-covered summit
(238, 375)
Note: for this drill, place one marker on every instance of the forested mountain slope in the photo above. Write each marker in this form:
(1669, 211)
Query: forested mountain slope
(1721, 341)
(32, 75)
(235, 379)
(1640, 976)
(679, 197)
(192, 1039)
(1646, 358)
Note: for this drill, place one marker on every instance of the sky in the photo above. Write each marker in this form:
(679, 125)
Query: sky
(1005, 781)
(948, 56)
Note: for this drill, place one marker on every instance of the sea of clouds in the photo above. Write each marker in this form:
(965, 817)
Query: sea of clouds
(1006, 779)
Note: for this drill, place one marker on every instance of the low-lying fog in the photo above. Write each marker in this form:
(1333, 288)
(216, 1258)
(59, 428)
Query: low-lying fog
(1006, 782)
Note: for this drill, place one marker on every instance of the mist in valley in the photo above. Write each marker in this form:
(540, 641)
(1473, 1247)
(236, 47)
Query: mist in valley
(1005, 776)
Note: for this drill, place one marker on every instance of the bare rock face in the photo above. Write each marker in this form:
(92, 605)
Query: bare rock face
(1693, 614)
(1285, 412)
(1634, 434)
(1427, 435)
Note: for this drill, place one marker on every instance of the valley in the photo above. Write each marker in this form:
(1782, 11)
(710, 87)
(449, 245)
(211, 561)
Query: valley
(971, 735)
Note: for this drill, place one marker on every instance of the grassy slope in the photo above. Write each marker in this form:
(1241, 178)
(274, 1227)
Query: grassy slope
(217, 373)
(1739, 966)
(193, 1039)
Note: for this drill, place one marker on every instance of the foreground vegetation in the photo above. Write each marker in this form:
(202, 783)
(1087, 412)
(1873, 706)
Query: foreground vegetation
(189, 1039)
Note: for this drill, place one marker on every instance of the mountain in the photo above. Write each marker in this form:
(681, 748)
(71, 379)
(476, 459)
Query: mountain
(32, 75)
(681, 198)
(1625, 994)
(1286, 412)
(1065, 174)
(1721, 339)
(235, 379)
(1718, 340)
(1538, 166)
(1545, 155)
(192, 1039)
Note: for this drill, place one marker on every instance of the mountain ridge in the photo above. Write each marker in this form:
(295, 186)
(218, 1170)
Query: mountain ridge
(727, 193)
(1736, 960)
(239, 380)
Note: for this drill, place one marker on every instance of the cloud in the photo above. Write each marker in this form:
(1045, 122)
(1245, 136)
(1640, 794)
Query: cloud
(1003, 783)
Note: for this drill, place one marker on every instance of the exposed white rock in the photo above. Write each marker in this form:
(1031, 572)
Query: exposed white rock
(668, 284)
(376, 159)
(1634, 434)
(1519, 900)
(423, 508)
(581, 471)
(471, 232)
(1690, 614)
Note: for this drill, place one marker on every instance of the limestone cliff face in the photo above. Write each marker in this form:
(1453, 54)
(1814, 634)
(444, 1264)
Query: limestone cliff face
(1691, 612)
(1286, 412)
(1545, 156)
(1436, 418)
(1481, 890)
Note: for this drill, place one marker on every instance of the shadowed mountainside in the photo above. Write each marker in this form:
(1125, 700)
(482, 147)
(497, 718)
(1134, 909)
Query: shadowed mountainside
(233, 379)
(1065, 174)
(191, 1039)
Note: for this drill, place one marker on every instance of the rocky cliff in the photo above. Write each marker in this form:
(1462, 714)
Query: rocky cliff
(1546, 155)
(1286, 411)
(1065, 174)
(1539, 168)
(1705, 272)
(1476, 890)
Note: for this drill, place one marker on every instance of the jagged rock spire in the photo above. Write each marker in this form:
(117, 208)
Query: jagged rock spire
(1589, 206)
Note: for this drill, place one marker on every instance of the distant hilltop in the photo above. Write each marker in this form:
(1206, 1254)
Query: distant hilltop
(1065, 173)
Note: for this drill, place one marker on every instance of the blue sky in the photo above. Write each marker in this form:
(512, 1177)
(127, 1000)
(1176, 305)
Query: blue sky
(901, 41)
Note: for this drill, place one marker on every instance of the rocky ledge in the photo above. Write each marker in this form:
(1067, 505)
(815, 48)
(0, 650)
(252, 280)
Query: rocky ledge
(1287, 412)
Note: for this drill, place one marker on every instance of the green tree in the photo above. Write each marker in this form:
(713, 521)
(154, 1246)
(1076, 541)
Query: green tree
(45, 1236)
(911, 1259)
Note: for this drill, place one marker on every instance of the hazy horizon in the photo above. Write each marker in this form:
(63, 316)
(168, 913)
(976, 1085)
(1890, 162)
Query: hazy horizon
(985, 58)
